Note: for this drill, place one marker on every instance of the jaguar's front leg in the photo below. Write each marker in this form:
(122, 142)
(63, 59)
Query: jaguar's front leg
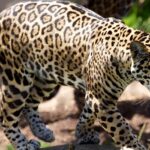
(84, 130)
(114, 123)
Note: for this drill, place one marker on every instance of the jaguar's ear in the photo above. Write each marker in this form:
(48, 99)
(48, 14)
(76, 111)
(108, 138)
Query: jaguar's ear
(138, 49)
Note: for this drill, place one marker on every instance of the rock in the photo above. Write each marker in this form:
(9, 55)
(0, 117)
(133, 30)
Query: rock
(60, 106)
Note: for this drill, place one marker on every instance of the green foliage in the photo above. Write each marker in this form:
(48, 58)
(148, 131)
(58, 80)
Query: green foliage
(139, 17)
(43, 145)
(9, 147)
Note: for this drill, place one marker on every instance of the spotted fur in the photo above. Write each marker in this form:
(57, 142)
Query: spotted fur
(45, 44)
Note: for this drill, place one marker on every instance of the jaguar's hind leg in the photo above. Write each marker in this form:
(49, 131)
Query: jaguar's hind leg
(37, 95)
(37, 126)
(19, 141)
(11, 109)
(15, 87)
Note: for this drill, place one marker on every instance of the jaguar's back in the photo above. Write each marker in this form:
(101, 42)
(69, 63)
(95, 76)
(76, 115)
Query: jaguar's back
(45, 44)
(42, 35)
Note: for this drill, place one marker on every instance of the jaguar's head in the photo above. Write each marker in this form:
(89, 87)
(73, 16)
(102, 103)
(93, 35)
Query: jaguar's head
(141, 62)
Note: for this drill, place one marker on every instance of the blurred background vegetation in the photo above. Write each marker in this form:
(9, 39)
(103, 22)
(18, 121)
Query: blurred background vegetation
(139, 16)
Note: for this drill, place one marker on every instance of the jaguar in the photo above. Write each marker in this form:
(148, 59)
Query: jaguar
(44, 44)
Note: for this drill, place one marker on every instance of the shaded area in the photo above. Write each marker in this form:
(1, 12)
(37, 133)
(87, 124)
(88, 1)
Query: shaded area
(138, 107)
(111, 8)
(81, 147)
